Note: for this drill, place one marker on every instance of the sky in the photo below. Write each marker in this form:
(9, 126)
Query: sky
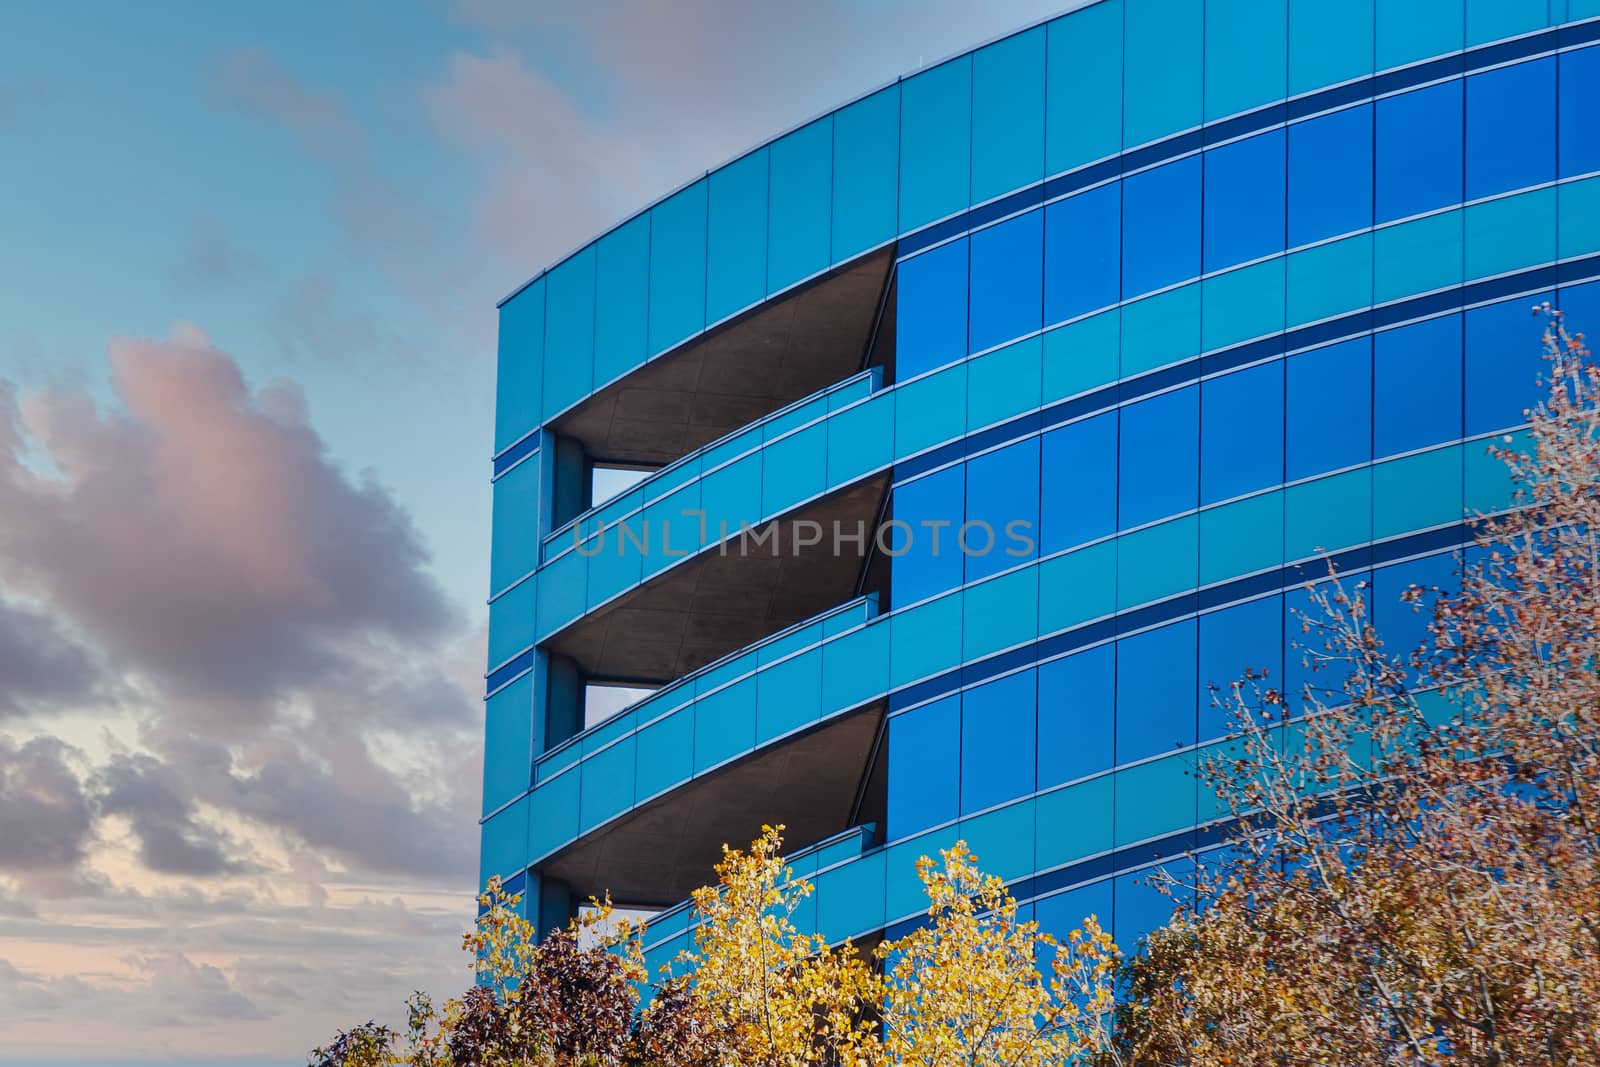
(249, 259)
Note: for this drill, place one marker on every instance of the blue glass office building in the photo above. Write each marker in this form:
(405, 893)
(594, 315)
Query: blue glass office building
(1195, 289)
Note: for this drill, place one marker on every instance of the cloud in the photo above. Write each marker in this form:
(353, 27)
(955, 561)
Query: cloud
(46, 818)
(204, 537)
(159, 804)
(208, 258)
(41, 667)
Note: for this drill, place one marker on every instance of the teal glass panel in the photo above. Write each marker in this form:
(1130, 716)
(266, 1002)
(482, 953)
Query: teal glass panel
(1409, 30)
(935, 142)
(508, 743)
(1327, 514)
(1330, 41)
(664, 531)
(519, 386)
(569, 333)
(1073, 823)
(855, 667)
(930, 410)
(504, 846)
(1155, 799)
(514, 549)
(1490, 20)
(622, 292)
(1002, 840)
(1581, 9)
(731, 495)
(860, 439)
(677, 267)
(1077, 587)
(1008, 115)
(736, 236)
(1417, 492)
(563, 589)
(724, 724)
(1082, 355)
(788, 695)
(1245, 43)
(800, 203)
(1511, 233)
(619, 563)
(1241, 538)
(850, 898)
(1580, 218)
(1330, 279)
(1160, 329)
(1161, 92)
(1083, 76)
(1417, 257)
(665, 755)
(1242, 304)
(925, 640)
(554, 814)
(904, 895)
(866, 173)
(1158, 561)
(1489, 487)
(1003, 383)
(1000, 612)
(795, 469)
(512, 621)
(607, 785)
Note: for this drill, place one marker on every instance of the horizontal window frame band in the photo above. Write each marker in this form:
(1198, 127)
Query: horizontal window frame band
(1548, 276)
(1048, 647)
(1534, 44)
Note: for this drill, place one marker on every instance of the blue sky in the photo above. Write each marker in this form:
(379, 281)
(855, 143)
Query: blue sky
(249, 257)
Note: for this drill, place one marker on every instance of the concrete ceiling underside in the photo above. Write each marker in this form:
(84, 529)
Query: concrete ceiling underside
(657, 855)
(708, 606)
(768, 358)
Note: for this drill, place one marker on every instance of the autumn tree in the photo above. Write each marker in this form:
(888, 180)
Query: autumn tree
(1415, 875)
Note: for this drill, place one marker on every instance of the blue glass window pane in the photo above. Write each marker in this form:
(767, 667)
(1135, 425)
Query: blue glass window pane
(1581, 304)
(1409, 30)
(1511, 128)
(1330, 175)
(1241, 432)
(1505, 361)
(1062, 913)
(1419, 151)
(1083, 115)
(1330, 41)
(569, 332)
(1329, 409)
(1077, 705)
(514, 548)
(1008, 115)
(935, 142)
(1158, 468)
(1161, 227)
(866, 173)
(1244, 637)
(1240, 34)
(1244, 195)
(1083, 253)
(1404, 627)
(924, 768)
(931, 310)
(622, 292)
(931, 562)
(519, 385)
(508, 743)
(1156, 691)
(997, 742)
(1579, 109)
(1007, 266)
(1003, 494)
(1489, 20)
(1162, 86)
(1416, 374)
(736, 237)
(678, 267)
(799, 200)
(1140, 907)
(1078, 495)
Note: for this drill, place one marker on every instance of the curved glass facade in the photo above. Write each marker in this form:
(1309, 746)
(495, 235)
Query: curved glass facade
(1056, 368)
